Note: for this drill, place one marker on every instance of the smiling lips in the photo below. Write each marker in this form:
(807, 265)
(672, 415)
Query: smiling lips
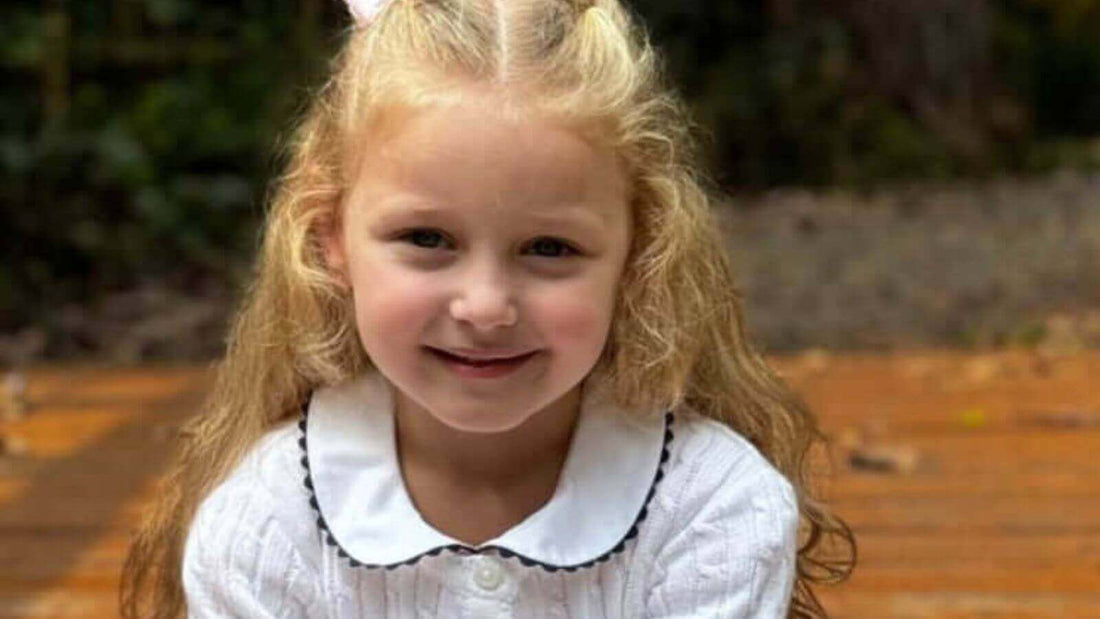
(486, 365)
(482, 357)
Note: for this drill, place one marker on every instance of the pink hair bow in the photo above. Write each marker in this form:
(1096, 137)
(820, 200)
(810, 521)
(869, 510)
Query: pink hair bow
(364, 11)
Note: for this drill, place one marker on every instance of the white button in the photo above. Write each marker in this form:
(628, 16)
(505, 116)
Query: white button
(488, 574)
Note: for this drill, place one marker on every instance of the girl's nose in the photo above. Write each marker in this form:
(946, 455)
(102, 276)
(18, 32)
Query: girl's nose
(485, 302)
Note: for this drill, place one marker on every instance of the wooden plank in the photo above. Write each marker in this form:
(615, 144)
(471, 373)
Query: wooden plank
(969, 515)
(1022, 485)
(885, 548)
(60, 545)
(859, 603)
(1007, 452)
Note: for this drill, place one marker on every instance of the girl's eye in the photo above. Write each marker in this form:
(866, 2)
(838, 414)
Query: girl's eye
(548, 247)
(422, 237)
(543, 247)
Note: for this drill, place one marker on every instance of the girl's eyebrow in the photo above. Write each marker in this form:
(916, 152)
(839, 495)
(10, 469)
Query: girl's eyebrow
(574, 216)
(394, 211)
(404, 210)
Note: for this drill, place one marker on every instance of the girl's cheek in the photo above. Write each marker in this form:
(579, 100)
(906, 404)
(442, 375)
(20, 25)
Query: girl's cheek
(392, 295)
(577, 315)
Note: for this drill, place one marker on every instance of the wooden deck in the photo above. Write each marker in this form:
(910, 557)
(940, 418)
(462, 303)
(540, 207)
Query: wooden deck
(978, 494)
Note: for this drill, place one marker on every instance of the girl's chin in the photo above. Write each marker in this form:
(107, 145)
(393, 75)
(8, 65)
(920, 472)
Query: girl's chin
(478, 423)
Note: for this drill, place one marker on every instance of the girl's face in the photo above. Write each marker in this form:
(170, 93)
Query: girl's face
(486, 238)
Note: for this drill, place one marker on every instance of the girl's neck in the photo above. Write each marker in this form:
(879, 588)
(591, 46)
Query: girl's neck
(500, 461)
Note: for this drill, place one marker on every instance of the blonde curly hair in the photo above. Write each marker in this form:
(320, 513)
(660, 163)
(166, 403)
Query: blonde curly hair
(677, 335)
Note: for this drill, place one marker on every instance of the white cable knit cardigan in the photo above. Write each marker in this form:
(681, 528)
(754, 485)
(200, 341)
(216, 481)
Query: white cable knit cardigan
(676, 516)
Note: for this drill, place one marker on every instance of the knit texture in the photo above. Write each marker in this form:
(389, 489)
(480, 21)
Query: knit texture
(719, 540)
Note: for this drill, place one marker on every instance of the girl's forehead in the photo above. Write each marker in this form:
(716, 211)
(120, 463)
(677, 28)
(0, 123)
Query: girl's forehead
(475, 115)
(473, 106)
(467, 149)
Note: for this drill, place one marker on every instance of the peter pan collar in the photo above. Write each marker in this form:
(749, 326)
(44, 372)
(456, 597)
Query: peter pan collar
(610, 474)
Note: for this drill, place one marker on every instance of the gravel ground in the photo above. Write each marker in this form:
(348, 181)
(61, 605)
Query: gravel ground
(1009, 262)
(975, 265)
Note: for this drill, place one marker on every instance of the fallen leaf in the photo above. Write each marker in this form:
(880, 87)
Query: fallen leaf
(885, 458)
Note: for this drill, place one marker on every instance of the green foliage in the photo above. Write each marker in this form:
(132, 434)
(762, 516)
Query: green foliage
(794, 100)
(155, 167)
(783, 103)
(1050, 52)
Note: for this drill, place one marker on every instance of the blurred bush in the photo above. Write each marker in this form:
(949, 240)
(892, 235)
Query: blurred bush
(137, 137)
(865, 91)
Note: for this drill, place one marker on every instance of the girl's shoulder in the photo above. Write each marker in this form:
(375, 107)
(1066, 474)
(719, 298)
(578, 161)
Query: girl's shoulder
(701, 440)
(722, 535)
(270, 465)
(266, 486)
(250, 546)
(712, 465)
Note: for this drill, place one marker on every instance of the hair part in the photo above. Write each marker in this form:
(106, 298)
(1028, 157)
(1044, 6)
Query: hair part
(677, 335)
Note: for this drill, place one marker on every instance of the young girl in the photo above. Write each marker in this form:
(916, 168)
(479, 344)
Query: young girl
(493, 363)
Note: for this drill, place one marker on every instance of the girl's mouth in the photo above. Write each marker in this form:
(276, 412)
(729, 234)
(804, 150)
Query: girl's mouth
(490, 368)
